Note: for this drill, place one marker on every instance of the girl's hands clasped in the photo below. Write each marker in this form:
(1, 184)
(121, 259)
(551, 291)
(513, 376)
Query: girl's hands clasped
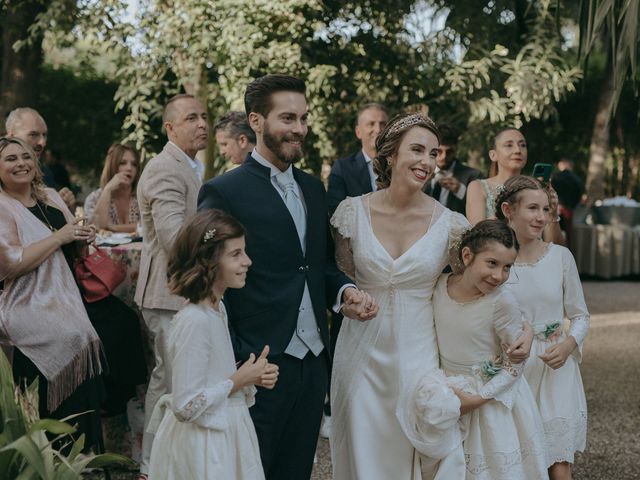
(256, 371)
(557, 355)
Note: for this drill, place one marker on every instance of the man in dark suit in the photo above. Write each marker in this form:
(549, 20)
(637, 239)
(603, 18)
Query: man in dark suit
(293, 277)
(353, 176)
(449, 184)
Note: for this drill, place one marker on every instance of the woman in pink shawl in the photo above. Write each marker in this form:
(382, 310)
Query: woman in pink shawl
(41, 312)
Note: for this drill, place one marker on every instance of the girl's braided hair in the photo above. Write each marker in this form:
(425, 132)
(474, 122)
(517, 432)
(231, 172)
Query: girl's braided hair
(509, 192)
(477, 238)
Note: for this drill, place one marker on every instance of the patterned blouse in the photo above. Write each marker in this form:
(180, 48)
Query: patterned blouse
(92, 200)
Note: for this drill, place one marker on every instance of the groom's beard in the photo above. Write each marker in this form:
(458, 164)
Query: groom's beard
(281, 147)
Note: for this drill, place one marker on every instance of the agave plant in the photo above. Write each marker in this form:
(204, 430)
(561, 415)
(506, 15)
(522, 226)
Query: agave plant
(28, 444)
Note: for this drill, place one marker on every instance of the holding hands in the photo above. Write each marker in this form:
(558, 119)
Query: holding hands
(358, 305)
(256, 371)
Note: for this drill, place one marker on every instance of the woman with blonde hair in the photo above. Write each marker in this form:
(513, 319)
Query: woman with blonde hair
(41, 311)
(114, 205)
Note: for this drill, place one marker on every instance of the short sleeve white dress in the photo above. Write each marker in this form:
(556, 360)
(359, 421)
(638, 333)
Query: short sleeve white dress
(504, 437)
(203, 432)
(390, 402)
(547, 291)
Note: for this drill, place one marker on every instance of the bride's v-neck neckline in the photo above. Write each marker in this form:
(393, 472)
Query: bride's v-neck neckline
(432, 224)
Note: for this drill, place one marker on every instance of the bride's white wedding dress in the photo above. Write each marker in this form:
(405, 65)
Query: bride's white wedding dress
(390, 403)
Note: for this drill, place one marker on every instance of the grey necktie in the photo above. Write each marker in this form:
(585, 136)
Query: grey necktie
(294, 204)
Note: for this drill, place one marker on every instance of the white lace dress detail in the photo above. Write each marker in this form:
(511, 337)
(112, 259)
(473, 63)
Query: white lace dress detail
(387, 368)
(504, 437)
(549, 291)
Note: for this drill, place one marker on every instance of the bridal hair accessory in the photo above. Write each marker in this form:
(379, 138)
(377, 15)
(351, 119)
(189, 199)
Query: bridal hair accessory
(410, 121)
(209, 234)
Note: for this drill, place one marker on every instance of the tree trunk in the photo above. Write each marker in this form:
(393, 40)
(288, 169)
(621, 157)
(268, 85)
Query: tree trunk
(19, 69)
(599, 147)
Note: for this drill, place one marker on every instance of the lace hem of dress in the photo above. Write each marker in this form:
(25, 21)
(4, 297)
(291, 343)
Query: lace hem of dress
(565, 436)
(481, 466)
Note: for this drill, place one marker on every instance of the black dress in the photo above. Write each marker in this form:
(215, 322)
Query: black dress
(118, 327)
(88, 396)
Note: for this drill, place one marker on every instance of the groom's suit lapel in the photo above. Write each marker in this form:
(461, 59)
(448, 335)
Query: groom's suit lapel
(276, 203)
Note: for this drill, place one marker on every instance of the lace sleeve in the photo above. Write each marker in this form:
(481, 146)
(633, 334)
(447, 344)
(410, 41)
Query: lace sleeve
(343, 222)
(458, 224)
(507, 322)
(192, 390)
(575, 307)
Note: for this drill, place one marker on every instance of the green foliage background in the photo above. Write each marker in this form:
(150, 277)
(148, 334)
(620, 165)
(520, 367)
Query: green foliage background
(492, 63)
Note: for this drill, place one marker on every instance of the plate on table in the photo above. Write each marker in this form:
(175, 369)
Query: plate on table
(113, 239)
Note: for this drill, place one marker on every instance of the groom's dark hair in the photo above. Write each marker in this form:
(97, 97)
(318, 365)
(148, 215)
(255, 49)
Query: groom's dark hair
(257, 97)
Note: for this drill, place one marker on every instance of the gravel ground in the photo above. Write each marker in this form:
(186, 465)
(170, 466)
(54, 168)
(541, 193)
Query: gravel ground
(611, 356)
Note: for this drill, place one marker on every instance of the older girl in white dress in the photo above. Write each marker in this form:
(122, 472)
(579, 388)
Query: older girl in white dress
(546, 283)
(475, 319)
(205, 430)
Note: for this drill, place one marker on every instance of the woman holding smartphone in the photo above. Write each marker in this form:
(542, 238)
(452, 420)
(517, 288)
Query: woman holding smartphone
(509, 157)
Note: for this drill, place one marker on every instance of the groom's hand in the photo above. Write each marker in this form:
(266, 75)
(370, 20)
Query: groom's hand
(358, 305)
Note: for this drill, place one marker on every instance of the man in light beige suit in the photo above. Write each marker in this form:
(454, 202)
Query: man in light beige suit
(167, 196)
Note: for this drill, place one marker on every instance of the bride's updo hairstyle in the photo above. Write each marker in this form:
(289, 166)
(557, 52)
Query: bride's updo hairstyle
(477, 238)
(388, 142)
(193, 259)
(509, 192)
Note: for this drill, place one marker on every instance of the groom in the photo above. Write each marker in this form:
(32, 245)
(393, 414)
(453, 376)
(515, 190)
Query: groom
(293, 277)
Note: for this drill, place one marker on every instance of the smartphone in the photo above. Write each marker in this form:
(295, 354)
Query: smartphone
(542, 171)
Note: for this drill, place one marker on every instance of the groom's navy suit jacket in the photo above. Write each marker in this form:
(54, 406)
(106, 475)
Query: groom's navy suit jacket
(265, 311)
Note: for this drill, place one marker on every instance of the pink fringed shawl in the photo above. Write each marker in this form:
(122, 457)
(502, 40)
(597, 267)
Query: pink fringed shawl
(41, 312)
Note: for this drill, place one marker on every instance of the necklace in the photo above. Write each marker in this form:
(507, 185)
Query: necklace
(45, 217)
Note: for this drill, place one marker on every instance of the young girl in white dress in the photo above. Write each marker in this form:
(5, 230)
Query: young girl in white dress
(205, 430)
(476, 319)
(546, 284)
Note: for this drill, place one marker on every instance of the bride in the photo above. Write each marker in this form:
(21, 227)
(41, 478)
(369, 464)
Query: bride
(390, 402)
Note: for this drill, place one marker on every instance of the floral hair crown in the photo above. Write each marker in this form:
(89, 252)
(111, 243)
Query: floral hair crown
(209, 234)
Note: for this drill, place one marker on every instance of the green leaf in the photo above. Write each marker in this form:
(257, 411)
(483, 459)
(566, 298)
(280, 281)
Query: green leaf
(57, 427)
(30, 451)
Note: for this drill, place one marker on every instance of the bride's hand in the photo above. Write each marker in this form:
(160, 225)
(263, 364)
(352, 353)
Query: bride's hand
(358, 305)
(468, 402)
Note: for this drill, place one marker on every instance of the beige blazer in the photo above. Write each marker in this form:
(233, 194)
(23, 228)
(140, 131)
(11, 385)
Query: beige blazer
(167, 196)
